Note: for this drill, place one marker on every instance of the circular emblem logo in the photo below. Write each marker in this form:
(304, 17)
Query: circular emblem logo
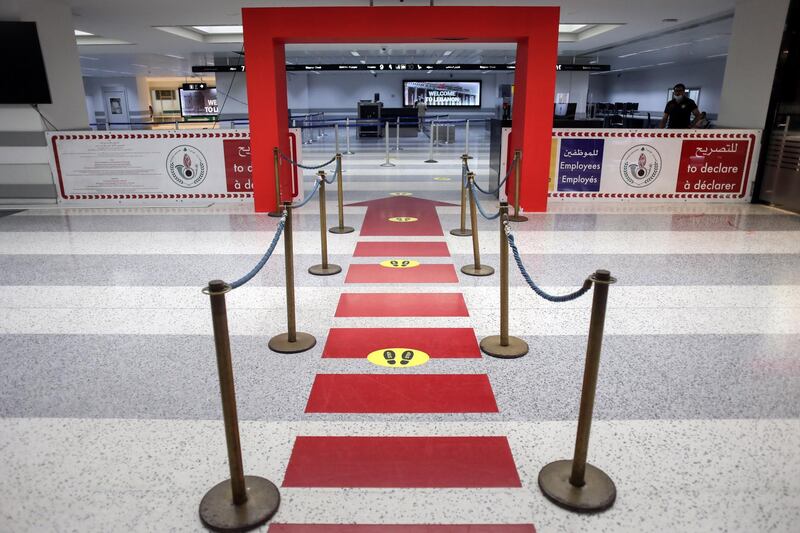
(187, 166)
(640, 166)
(398, 357)
(402, 219)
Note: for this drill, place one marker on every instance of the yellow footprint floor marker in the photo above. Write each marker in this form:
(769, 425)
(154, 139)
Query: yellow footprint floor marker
(400, 194)
(403, 219)
(398, 357)
(399, 263)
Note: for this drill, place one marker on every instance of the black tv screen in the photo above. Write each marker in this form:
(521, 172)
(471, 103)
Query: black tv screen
(450, 93)
(199, 102)
(22, 55)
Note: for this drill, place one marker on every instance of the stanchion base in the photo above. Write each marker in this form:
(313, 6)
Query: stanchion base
(280, 343)
(388, 164)
(597, 494)
(430, 161)
(458, 232)
(275, 214)
(341, 229)
(218, 513)
(319, 270)
(517, 218)
(516, 347)
(482, 270)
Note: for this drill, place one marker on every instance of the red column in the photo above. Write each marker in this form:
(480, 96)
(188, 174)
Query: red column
(265, 62)
(534, 90)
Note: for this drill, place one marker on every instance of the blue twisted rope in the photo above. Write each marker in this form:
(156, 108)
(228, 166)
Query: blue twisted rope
(335, 172)
(308, 167)
(565, 298)
(500, 185)
(247, 277)
(483, 213)
(310, 195)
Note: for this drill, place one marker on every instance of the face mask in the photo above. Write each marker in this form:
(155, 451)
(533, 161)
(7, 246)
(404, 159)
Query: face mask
(679, 99)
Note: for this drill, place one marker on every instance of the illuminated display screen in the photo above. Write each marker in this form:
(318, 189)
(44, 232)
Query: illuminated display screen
(452, 93)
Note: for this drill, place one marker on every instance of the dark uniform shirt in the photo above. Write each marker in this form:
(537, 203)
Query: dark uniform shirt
(680, 114)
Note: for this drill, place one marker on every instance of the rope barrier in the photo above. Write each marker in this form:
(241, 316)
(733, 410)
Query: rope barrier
(247, 277)
(307, 167)
(500, 185)
(549, 297)
(310, 195)
(483, 213)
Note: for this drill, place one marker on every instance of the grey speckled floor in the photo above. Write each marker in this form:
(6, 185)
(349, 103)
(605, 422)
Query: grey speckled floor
(109, 401)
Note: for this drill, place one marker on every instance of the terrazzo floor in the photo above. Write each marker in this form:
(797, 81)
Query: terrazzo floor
(110, 417)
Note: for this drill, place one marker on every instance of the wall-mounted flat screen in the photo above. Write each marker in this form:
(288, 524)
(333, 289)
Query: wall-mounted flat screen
(199, 102)
(450, 93)
(22, 58)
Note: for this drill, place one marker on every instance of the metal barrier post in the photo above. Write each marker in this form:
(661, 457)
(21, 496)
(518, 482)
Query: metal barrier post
(475, 269)
(336, 137)
(387, 163)
(322, 125)
(577, 485)
(241, 502)
(466, 140)
(324, 269)
(341, 228)
(347, 135)
(462, 231)
(276, 159)
(322, 130)
(504, 346)
(516, 217)
(433, 132)
(292, 341)
(397, 136)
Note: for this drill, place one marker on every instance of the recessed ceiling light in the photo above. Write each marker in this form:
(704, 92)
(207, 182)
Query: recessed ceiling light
(90, 58)
(438, 61)
(363, 62)
(174, 56)
(571, 28)
(354, 53)
(447, 53)
(665, 63)
(718, 55)
(138, 65)
(79, 33)
(219, 30)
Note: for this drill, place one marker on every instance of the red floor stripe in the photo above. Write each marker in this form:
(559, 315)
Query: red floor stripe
(436, 342)
(401, 250)
(401, 462)
(408, 528)
(420, 274)
(407, 304)
(379, 211)
(402, 393)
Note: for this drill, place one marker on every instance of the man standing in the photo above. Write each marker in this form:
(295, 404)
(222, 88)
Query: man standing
(680, 110)
(421, 108)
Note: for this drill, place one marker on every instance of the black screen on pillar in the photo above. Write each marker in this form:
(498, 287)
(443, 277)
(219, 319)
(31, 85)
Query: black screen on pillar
(22, 55)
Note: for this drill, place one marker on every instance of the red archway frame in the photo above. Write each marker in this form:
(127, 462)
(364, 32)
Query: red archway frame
(534, 29)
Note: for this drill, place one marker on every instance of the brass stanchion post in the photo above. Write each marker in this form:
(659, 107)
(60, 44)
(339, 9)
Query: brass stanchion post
(577, 485)
(276, 158)
(504, 346)
(341, 228)
(475, 269)
(323, 269)
(241, 502)
(462, 230)
(292, 341)
(516, 217)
